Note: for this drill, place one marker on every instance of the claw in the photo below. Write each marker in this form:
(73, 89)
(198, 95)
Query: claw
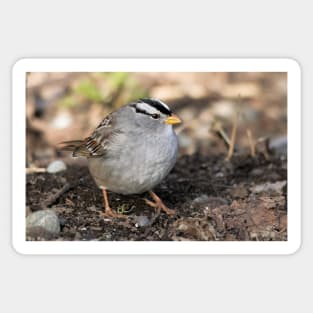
(107, 209)
(158, 204)
(109, 213)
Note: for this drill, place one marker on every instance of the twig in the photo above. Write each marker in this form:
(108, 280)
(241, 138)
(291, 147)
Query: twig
(233, 137)
(266, 150)
(251, 142)
(217, 127)
(53, 198)
(31, 170)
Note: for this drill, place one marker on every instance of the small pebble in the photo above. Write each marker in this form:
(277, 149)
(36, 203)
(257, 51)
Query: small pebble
(278, 145)
(207, 202)
(256, 172)
(141, 221)
(47, 220)
(56, 166)
(273, 188)
(219, 174)
(201, 200)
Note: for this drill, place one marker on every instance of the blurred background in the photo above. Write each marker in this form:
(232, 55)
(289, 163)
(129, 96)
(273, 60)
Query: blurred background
(67, 106)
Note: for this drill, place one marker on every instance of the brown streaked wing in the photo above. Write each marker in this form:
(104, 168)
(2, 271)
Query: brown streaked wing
(96, 144)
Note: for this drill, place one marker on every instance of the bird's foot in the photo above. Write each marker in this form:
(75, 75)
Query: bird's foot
(107, 209)
(158, 204)
(107, 213)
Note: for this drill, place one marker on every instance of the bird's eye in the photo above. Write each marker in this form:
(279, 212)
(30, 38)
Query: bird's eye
(155, 116)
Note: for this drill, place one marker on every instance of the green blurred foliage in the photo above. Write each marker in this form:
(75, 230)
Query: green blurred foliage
(89, 90)
(67, 101)
(117, 79)
(112, 89)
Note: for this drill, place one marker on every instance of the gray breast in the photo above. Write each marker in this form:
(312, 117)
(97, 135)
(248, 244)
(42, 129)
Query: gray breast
(135, 165)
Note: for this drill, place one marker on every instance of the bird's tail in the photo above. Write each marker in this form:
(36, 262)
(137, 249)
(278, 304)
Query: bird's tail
(77, 147)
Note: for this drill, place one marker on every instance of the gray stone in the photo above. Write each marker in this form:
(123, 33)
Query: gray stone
(256, 172)
(278, 145)
(208, 202)
(201, 200)
(56, 166)
(219, 174)
(272, 188)
(47, 220)
(141, 221)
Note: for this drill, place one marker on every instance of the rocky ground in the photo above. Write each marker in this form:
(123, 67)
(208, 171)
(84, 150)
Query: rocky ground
(214, 199)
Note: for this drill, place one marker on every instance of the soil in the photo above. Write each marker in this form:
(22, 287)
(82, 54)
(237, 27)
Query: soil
(214, 199)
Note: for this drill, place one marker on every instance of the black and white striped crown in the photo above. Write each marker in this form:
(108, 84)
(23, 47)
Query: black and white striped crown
(155, 104)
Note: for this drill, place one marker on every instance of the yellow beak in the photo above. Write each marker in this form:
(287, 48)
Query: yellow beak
(173, 119)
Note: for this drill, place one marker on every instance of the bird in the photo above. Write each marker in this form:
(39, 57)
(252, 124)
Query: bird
(131, 151)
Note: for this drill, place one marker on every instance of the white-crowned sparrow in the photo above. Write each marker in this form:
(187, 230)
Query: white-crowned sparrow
(131, 151)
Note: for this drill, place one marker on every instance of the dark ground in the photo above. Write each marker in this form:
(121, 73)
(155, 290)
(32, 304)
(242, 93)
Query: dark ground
(244, 199)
